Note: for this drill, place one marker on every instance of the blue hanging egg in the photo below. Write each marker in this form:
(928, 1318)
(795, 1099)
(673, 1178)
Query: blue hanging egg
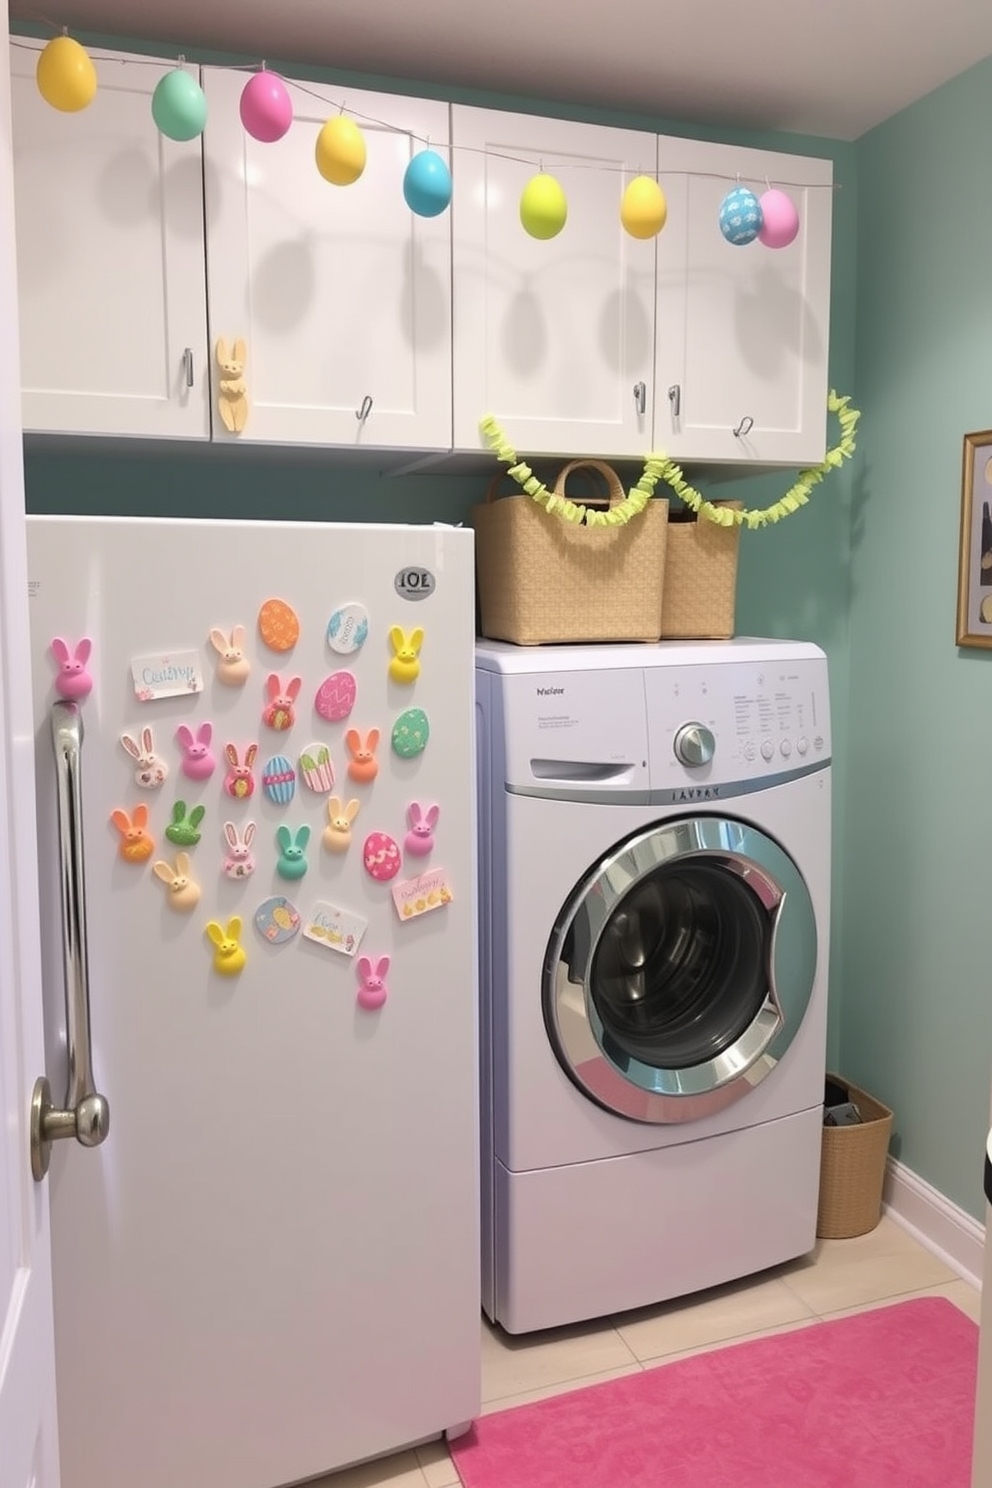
(279, 780)
(740, 216)
(427, 184)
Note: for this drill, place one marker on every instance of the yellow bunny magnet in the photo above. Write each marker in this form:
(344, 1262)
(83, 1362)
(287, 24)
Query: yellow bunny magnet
(229, 954)
(405, 665)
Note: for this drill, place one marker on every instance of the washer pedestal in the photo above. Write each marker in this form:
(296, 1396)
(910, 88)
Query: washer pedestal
(596, 1238)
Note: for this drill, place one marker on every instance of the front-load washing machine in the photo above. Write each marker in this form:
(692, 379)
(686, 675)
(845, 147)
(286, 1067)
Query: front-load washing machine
(654, 923)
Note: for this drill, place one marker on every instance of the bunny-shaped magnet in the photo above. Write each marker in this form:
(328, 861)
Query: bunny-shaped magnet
(233, 665)
(198, 762)
(229, 954)
(73, 681)
(405, 665)
(149, 770)
(136, 846)
(419, 841)
(363, 766)
(292, 861)
(239, 863)
(280, 707)
(337, 833)
(183, 892)
(372, 991)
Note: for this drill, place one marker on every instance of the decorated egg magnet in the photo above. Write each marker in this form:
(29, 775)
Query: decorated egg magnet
(740, 217)
(381, 856)
(277, 920)
(316, 769)
(279, 780)
(410, 733)
(336, 696)
(278, 625)
(348, 628)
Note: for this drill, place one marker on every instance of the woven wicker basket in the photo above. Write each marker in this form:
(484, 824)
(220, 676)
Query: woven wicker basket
(700, 596)
(543, 580)
(852, 1169)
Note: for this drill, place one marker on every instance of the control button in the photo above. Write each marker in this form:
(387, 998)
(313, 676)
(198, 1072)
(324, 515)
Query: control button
(694, 745)
(785, 749)
(818, 742)
(802, 743)
(767, 750)
(750, 750)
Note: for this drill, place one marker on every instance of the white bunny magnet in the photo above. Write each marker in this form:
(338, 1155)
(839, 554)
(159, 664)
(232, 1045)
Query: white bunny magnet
(239, 862)
(150, 770)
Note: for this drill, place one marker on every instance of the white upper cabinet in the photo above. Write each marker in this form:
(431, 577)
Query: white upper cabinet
(109, 220)
(742, 332)
(554, 338)
(341, 294)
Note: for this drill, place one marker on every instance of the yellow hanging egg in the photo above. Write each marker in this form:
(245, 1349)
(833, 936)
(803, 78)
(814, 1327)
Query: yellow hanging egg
(340, 151)
(643, 209)
(543, 208)
(65, 75)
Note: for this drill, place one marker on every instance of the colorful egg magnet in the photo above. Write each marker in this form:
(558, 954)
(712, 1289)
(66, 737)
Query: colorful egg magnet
(279, 780)
(410, 733)
(336, 696)
(348, 628)
(381, 856)
(740, 217)
(278, 625)
(277, 920)
(316, 769)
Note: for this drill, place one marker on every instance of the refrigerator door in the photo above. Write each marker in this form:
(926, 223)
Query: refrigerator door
(981, 1472)
(270, 1268)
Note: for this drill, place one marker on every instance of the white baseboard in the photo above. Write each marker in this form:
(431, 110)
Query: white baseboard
(953, 1235)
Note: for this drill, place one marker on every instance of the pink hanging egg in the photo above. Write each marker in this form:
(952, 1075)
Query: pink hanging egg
(266, 108)
(779, 219)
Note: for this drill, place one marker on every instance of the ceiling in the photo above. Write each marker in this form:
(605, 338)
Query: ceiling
(833, 69)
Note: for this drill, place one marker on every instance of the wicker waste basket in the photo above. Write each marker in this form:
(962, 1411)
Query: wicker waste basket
(544, 580)
(852, 1169)
(700, 596)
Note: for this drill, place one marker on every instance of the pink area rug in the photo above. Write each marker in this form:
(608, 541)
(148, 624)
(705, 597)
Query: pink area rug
(884, 1399)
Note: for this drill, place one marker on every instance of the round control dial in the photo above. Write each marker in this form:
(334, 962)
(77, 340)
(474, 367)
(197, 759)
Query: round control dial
(694, 745)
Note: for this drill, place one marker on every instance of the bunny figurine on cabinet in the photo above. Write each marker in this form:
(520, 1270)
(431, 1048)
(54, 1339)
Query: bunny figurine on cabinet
(232, 400)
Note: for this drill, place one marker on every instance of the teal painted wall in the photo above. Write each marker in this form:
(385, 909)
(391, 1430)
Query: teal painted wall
(915, 978)
(794, 579)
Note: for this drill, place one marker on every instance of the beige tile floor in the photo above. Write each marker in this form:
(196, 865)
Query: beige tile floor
(840, 1276)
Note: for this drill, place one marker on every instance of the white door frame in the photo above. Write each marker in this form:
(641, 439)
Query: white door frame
(28, 1425)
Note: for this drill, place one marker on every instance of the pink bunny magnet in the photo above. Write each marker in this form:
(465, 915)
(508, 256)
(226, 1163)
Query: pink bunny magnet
(239, 862)
(280, 709)
(372, 991)
(239, 781)
(149, 770)
(419, 841)
(73, 680)
(198, 761)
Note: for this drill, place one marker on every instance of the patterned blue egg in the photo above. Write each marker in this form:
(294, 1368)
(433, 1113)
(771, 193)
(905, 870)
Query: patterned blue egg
(279, 780)
(740, 216)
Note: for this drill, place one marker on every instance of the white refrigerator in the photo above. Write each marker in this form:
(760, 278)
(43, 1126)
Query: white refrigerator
(255, 777)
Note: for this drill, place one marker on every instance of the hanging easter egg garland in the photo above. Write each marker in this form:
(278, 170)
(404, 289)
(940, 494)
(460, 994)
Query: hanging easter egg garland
(67, 80)
(661, 468)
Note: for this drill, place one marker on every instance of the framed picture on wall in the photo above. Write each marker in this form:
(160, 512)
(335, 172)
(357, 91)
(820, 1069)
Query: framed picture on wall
(975, 559)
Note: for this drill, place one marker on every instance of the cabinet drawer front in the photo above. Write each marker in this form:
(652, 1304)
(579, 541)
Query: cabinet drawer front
(551, 336)
(341, 293)
(743, 331)
(110, 260)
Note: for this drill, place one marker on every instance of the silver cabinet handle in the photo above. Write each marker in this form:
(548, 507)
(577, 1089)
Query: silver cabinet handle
(86, 1115)
(362, 413)
(744, 427)
(675, 398)
(188, 365)
(640, 396)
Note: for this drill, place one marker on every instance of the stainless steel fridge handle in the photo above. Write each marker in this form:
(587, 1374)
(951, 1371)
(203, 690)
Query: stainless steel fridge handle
(86, 1114)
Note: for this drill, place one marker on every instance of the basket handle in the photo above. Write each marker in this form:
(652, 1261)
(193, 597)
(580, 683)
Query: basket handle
(492, 490)
(616, 493)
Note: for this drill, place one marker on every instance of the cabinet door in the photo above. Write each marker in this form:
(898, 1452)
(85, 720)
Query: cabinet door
(553, 338)
(742, 336)
(110, 260)
(341, 293)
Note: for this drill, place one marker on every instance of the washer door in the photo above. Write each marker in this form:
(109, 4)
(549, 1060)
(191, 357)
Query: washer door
(680, 969)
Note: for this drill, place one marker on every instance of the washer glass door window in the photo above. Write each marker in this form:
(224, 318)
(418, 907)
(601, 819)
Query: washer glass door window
(680, 969)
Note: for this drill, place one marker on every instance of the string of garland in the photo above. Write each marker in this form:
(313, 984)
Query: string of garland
(661, 468)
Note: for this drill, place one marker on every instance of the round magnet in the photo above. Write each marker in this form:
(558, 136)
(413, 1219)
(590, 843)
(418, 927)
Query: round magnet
(279, 780)
(336, 696)
(381, 856)
(316, 769)
(277, 920)
(410, 733)
(348, 628)
(278, 625)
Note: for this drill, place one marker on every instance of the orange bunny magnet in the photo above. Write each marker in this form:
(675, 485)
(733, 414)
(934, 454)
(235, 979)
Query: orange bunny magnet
(136, 846)
(405, 665)
(363, 766)
(232, 399)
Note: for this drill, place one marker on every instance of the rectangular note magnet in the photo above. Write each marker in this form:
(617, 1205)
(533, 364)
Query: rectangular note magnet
(417, 896)
(166, 674)
(334, 928)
